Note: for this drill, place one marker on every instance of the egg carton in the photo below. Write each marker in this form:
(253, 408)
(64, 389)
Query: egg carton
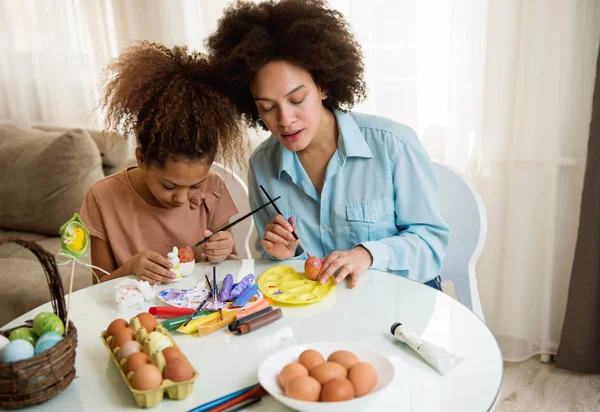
(152, 397)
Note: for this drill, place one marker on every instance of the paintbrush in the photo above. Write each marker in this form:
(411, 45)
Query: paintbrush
(216, 291)
(210, 292)
(256, 392)
(212, 404)
(239, 220)
(279, 212)
(242, 405)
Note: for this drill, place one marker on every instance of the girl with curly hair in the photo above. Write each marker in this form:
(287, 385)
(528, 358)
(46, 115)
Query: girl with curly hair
(166, 98)
(359, 189)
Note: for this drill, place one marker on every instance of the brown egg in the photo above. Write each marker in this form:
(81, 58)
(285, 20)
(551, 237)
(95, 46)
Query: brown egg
(363, 377)
(115, 326)
(178, 370)
(146, 377)
(337, 390)
(147, 321)
(304, 388)
(172, 353)
(135, 361)
(291, 372)
(122, 336)
(310, 358)
(328, 371)
(128, 348)
(344, 358)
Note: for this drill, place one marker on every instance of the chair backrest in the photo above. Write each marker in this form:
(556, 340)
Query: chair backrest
(239, 192)
(463, 210)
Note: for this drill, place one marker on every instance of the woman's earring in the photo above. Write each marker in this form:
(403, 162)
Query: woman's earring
(324, 97)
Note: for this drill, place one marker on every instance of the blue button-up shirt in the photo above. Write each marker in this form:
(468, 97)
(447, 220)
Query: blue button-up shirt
(380, 192)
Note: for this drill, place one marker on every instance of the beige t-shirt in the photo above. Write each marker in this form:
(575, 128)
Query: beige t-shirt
(114, 212)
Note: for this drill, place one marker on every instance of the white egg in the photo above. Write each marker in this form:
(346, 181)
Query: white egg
(17, 350)
(3, 342)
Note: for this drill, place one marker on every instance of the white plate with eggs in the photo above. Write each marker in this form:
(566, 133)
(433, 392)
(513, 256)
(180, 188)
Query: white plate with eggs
(270, 370)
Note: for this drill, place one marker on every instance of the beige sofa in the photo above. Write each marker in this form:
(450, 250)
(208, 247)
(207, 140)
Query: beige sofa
(44, 175)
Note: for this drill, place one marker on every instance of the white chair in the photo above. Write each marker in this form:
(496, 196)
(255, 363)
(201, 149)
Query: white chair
(463, 210)
(239, 192)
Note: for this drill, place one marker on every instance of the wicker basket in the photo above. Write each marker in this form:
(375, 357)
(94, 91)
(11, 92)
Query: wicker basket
(37, 379)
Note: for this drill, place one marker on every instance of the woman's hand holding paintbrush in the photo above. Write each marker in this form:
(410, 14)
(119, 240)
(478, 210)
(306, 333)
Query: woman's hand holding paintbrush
(278, 240)
(278, 232)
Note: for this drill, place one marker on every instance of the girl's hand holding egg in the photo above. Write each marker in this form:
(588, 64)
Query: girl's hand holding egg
(151, 267)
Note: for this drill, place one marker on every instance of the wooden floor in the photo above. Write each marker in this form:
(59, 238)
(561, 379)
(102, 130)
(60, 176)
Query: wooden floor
(533, 386)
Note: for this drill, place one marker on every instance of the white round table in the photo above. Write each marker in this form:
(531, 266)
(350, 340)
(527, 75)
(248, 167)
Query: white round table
(228, 362)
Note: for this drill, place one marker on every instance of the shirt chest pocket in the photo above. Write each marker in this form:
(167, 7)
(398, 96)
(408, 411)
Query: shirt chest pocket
(371, 220)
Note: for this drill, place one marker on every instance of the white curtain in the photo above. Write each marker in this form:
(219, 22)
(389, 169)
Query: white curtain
(52, 52)
(500, 89)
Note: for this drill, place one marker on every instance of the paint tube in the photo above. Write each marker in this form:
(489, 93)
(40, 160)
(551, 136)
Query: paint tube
(440, 359)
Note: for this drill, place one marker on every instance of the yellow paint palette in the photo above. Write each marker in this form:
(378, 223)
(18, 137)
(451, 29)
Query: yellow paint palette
(283, 284)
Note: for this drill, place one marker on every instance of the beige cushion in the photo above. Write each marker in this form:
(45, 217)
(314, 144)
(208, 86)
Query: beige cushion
(114, 150)
(23, 284)
(45, 176)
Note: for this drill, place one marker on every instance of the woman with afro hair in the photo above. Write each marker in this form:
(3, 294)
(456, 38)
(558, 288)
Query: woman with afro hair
(359, 190)
(166, 99)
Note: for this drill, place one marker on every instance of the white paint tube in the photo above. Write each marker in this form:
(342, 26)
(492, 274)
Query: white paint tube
(440, 359)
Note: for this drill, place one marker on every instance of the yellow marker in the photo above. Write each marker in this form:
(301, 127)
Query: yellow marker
(216, 324)
(193, 324)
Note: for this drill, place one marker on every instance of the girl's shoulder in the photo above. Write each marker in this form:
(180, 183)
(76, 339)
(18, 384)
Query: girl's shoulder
(214, 182)
(113, 184)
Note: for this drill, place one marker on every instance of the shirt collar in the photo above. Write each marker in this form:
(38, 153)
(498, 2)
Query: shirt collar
(350, 144)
